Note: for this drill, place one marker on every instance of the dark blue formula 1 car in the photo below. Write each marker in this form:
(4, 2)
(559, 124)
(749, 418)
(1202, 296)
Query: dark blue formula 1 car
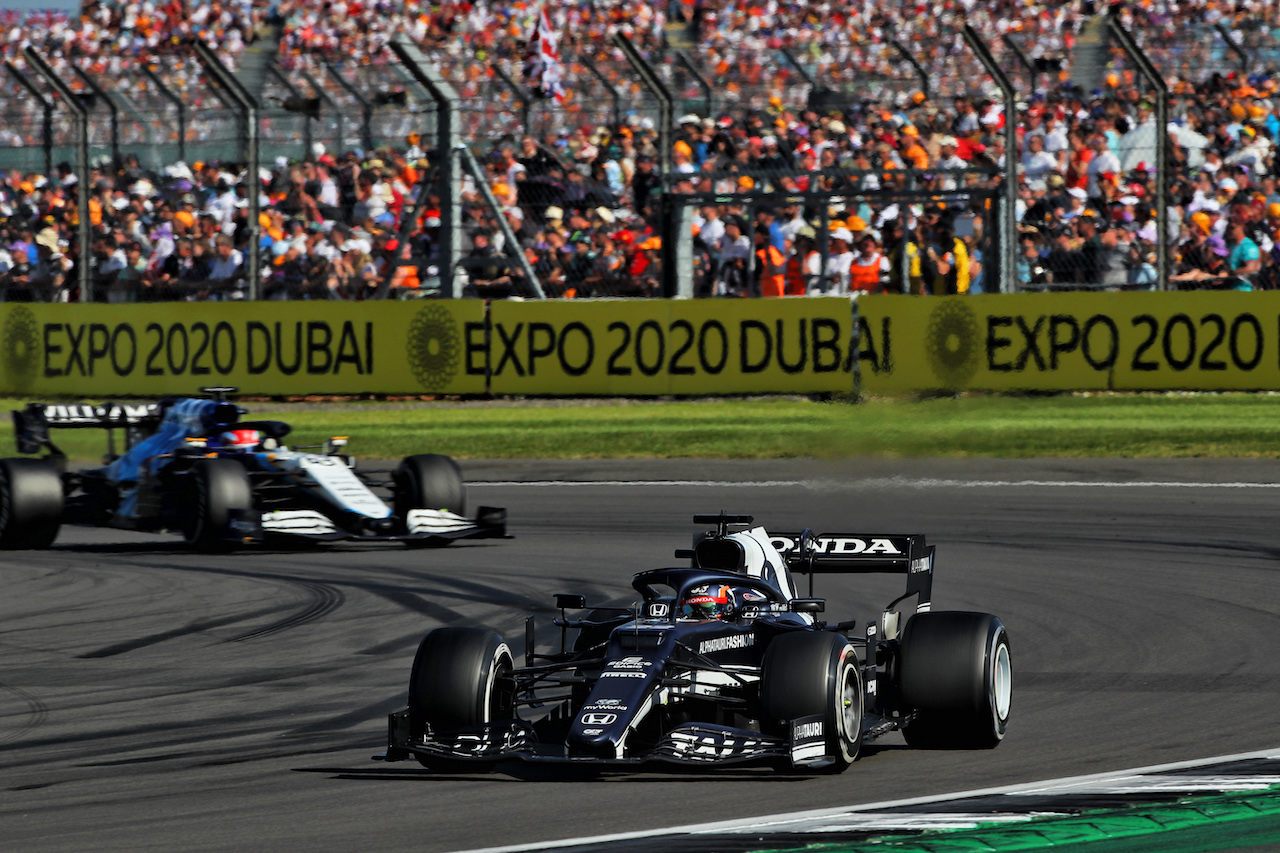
(722, 662)
(193, 466)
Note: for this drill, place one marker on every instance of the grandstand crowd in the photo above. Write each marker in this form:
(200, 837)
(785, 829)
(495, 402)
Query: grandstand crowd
(884, 190)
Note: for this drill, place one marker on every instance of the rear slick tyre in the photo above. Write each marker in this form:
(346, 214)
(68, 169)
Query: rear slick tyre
(955, 670)
(31, 503)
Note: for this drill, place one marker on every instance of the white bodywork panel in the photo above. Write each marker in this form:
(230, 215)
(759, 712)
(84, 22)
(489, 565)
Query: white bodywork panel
(332, 476)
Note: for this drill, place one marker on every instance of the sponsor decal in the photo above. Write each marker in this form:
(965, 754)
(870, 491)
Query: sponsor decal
(434, 347)
(669, 346)
(808, 731)
(657, 610)
(953, 343)
(920, 564)
(599, 719)
(20, 347)
(593, 731)
(730, 641)
(751, 612)
(752, 595)
(633, 662)
(622, 674)
(839, 546)
(602, 704)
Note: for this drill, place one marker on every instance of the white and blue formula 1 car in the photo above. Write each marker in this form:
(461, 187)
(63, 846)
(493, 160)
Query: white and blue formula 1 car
(721, 662)
(192, 466)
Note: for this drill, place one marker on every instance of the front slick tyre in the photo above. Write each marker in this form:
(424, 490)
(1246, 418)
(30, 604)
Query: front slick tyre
(428, 481)
(806, 674)
(460, 678)
(217, 486)
(30, 503)
(955, 670)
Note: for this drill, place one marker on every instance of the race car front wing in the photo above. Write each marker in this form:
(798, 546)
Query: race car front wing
(248, 526)
(690, 743)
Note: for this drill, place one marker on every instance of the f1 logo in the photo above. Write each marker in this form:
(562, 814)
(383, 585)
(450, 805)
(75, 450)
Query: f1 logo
(598, 719)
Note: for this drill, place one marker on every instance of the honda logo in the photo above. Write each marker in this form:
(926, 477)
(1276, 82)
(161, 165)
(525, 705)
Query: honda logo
(598, 719)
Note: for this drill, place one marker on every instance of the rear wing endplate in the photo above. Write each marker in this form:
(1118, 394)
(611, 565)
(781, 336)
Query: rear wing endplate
(31, 424)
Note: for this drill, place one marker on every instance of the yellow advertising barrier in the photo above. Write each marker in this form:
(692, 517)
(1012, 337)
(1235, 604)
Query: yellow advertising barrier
(1201, 340)
(705, 346)
(262, 347)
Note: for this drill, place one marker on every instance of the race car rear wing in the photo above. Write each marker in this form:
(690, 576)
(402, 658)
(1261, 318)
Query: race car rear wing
(840, 553)
(31, 425)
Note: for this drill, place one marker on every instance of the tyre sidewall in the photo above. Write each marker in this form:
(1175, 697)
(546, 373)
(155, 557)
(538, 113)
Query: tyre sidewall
(803, 674)
(952, 663)
(429, 481)
(31, 503)
(454, 679)
(218, 486)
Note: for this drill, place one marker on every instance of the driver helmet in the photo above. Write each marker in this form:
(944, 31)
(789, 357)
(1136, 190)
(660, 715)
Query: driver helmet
(240, 439)
(708, 602)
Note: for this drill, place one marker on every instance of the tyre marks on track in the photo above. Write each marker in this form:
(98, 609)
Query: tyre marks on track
(324, 599)
(196, 627)
(35, 715)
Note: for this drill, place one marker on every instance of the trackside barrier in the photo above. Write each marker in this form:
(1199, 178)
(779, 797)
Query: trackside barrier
(1044, 342)
(261, 347)
(1200, 340)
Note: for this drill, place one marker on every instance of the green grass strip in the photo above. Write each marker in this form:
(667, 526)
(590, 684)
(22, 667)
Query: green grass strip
(1131, 426)
(1191, 826)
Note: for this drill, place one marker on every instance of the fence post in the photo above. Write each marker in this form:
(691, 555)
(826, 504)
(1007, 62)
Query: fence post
(297, 96)
(331, 103)
(1236, 48)
(510, 243)
(366, 108)
(608, 87)
(800, 69)
(1009, 219)
(47, 106)
(684, 60)
(101, 95)
(520, 94)
(915, 64)
(672, 228)
(82, 162)
(1156, 81)
(447, 139)
(253, 180)
(1022, 59)
(177, 102)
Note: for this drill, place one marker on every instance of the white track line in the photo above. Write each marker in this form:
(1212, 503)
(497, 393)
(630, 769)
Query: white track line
(787, 821)
(886, 483)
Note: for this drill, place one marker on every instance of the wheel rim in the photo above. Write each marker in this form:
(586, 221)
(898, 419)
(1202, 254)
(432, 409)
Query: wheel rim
(849, 702)
(1002, 683)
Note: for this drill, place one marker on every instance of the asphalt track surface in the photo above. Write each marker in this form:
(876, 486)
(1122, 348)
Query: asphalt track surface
(152, 699)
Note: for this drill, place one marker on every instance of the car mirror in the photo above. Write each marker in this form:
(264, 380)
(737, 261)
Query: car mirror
(808, 605)
(568, 601)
